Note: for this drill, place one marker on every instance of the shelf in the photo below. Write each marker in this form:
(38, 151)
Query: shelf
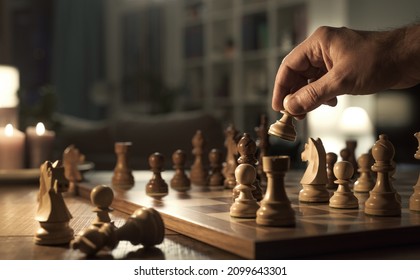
(255, 6)
(232, 59)
(194, 41)
(255, 55)
(254, 32)
(194, 62)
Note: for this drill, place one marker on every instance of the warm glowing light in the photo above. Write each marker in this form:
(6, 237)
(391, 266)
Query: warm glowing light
(9, 84)
(355, 121)
(40, 129)
(8, 130)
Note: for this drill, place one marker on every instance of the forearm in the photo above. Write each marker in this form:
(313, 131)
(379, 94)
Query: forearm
(407, 48)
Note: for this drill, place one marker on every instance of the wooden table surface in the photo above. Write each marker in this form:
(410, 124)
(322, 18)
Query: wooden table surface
(17, 226)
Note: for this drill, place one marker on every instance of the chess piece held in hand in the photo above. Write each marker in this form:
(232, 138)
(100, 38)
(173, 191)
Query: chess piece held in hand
(156, 187)
(53, 214)
(284, 128)
(383, 199)
(145, 226)
(122, 177)
(343, 197)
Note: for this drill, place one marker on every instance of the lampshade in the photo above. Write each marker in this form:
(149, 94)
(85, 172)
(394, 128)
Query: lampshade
(9, 84)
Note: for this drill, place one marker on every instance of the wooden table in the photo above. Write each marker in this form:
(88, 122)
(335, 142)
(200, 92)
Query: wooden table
(17, 209)
(17, 227)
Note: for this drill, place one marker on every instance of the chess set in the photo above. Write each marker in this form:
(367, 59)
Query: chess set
(255, 206)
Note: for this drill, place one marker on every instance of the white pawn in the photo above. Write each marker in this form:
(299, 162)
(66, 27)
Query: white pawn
(365, 182)
(245, 205)
(343, 197)
(102, 196)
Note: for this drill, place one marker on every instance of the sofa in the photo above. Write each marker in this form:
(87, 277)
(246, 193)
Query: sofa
(148, 134)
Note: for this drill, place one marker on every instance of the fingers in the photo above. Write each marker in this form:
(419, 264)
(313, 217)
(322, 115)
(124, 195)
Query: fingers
(296, 69)
(312, 95)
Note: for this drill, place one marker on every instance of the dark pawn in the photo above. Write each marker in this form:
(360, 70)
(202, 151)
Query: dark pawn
(180, 181)
(331, 160)
(216, 177)
(156, 187)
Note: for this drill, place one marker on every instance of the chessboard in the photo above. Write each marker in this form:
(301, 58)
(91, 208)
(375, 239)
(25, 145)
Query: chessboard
(204, 215)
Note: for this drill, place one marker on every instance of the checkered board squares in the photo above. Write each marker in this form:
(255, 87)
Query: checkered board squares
(204, 215)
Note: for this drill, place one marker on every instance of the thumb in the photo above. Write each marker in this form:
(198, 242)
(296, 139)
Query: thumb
(311, 96)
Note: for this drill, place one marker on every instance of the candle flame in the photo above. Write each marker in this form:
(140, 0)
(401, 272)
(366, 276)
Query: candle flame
(40, 129)
(8, 130)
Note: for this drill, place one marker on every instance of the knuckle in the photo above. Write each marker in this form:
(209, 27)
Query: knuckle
(312, 98)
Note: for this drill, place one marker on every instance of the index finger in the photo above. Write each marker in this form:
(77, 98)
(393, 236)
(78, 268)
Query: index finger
(301, 64)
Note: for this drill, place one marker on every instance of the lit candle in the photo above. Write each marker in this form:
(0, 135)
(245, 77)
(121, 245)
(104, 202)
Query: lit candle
(12, 148)
(40, 144)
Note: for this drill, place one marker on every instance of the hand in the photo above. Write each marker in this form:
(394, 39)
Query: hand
(337, 61)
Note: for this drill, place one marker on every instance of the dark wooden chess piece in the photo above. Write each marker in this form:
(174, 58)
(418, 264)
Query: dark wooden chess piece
(156, 187)
(263, 147)
(414, 202)
(351, 146)
(198, 173)
(284, 128)
(247, 149)
(71, 160)
(180, 181)
(331, 160)
(122, 177)
(276, 209)
(216, 177)
(102, 196)
(53, 214)
(145, 226)
(231, 162)
(383, 199)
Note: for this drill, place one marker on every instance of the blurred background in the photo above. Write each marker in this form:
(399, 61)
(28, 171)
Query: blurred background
(99, 59)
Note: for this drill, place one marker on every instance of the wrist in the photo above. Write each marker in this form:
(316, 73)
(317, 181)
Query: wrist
(406, 46)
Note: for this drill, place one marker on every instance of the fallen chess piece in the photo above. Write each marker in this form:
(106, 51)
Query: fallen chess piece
(145, 226)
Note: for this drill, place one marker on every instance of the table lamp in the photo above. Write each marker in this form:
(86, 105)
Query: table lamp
(355, 124)
(9, 85)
